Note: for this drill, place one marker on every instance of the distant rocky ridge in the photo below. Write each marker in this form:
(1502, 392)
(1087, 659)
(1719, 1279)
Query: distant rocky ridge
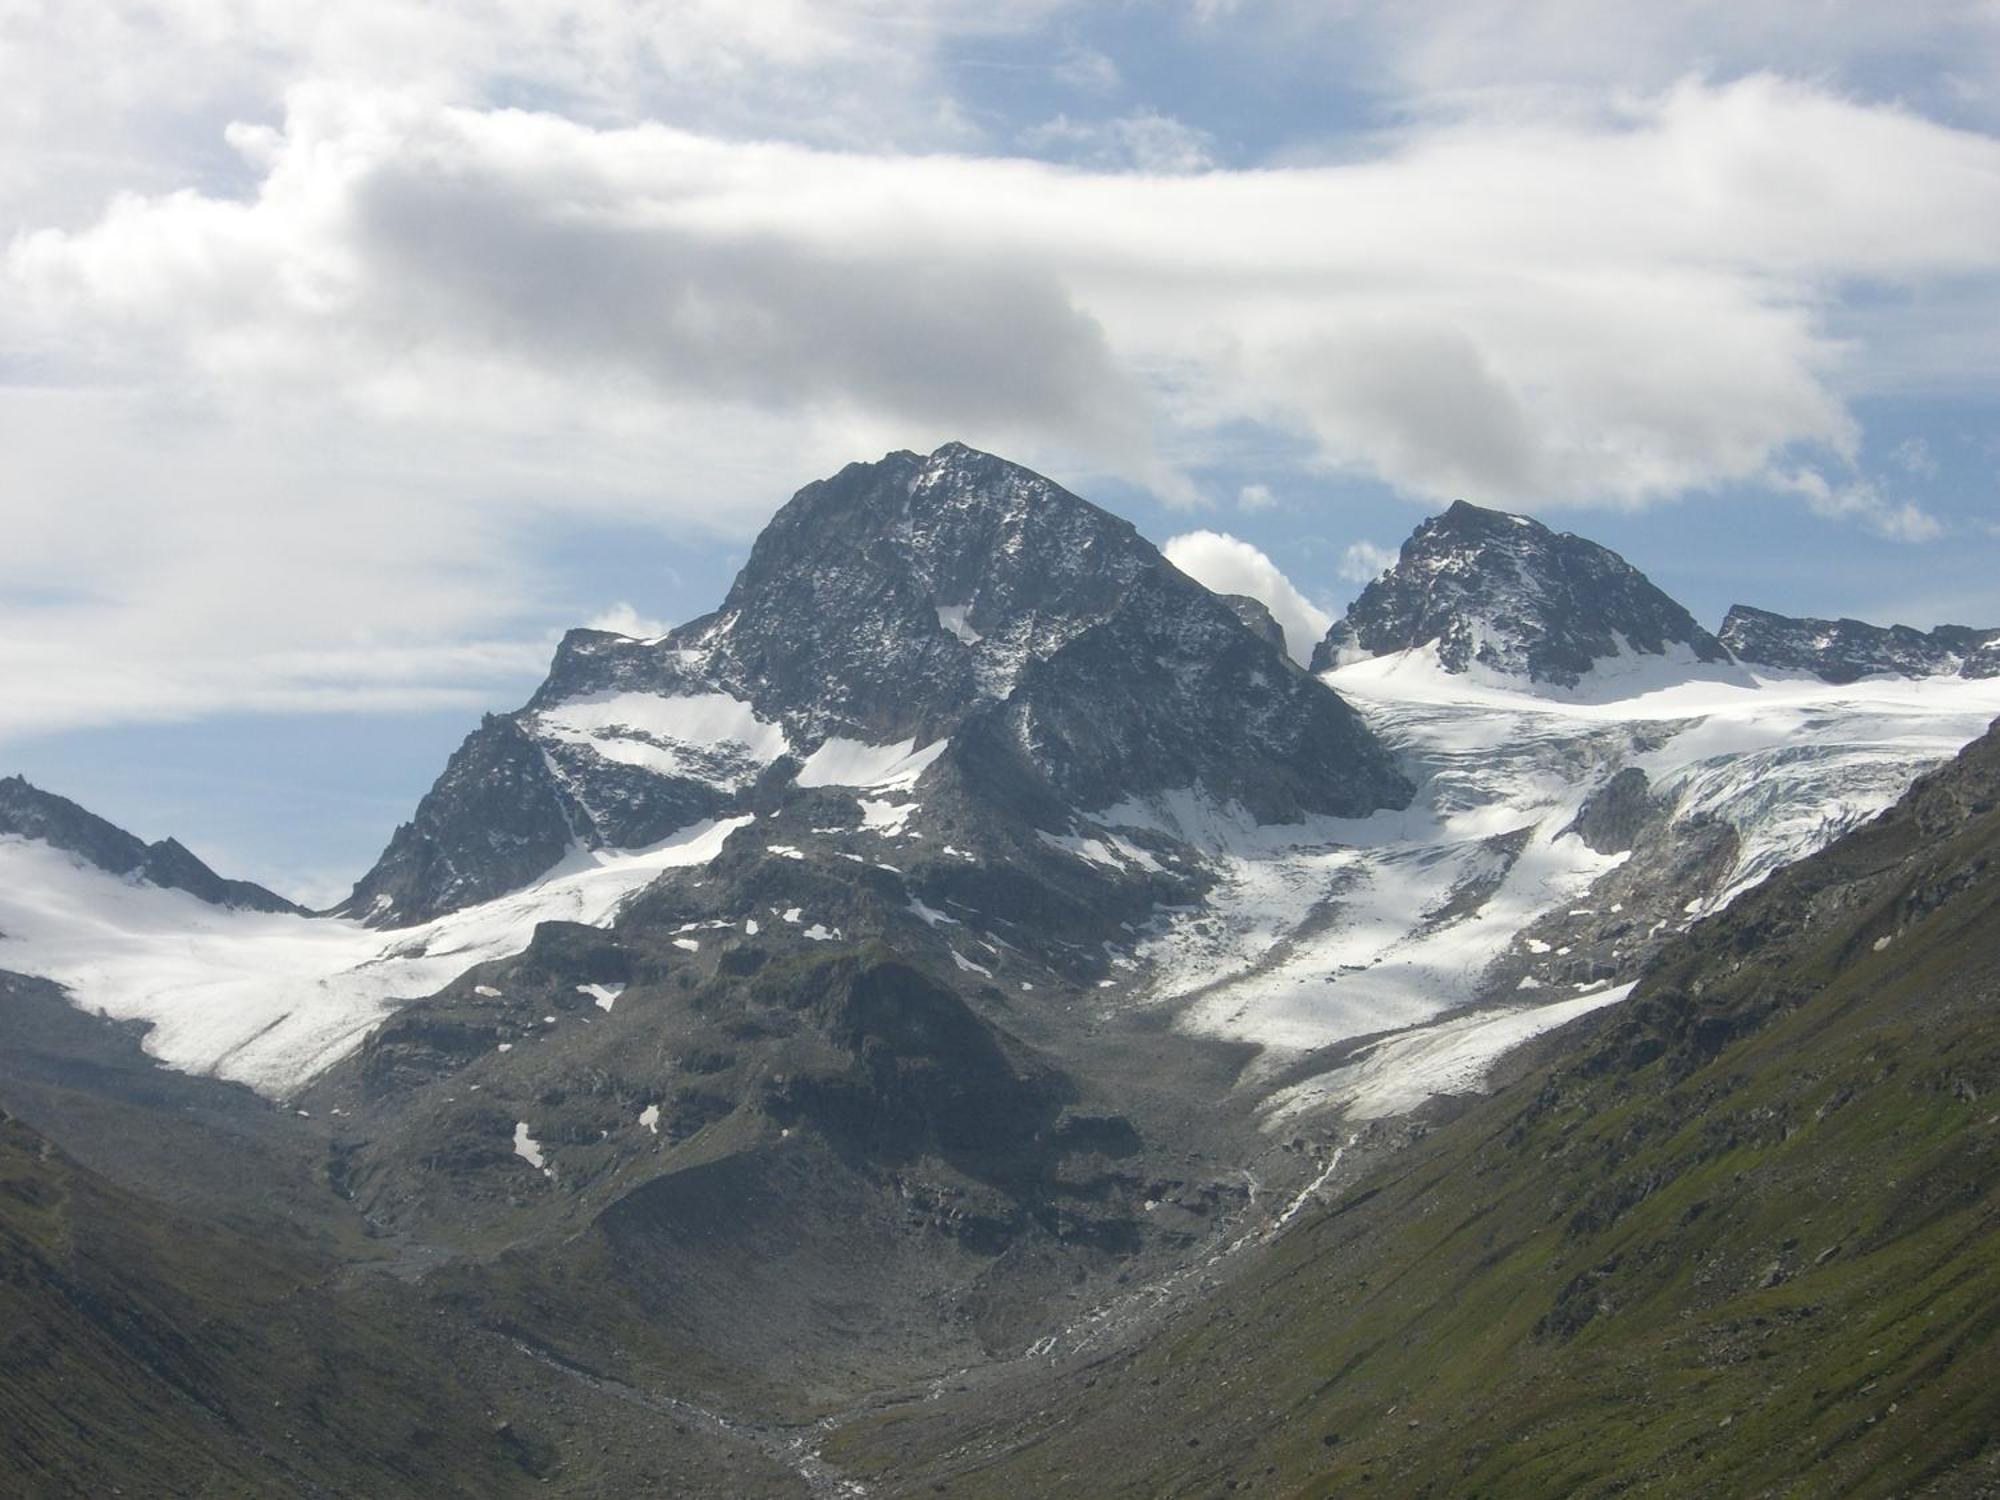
(1505, 593)
(952, 617)
(1841, 651)
(26, 811)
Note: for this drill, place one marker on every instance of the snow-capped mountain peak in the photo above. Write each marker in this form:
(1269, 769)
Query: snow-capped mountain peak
(949, 707)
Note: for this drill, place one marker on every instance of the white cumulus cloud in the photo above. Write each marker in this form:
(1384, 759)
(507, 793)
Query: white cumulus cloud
(1549, 313)
(623, 619)
(1228, 565)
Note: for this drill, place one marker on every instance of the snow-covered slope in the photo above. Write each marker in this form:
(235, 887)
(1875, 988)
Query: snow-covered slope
(1484, 891)
(272, 999)
(1397, 1073)
(1315, 934)
(28, 812)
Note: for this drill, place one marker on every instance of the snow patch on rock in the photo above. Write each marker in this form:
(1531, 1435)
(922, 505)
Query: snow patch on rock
(851, 763)
(704, 736)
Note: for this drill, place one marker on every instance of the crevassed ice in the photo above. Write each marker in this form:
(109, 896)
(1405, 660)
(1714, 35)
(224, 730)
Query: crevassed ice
(1328, 930)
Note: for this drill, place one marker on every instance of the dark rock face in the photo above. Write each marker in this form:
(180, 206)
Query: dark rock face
(29, 812)
(1257, 617)
(496, 818)
(899, 603)
(1841, 651)
(915, 1071)
(1610, 821)
(1506, 593)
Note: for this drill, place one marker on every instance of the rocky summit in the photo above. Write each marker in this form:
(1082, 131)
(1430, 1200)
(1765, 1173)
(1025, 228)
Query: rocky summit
(950, 619)
(1504, 594)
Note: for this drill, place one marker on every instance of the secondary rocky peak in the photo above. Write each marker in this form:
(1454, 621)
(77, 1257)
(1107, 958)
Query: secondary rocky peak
(1257, 618)
(1504, 593)
(1841, 651)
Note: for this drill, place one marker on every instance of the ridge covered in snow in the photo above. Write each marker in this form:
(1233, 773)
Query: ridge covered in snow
(28, 812)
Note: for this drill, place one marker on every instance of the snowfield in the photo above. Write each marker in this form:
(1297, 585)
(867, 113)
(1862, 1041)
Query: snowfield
(1331, 930)
(1395, 1075)
(879, 768)
(272, 1000)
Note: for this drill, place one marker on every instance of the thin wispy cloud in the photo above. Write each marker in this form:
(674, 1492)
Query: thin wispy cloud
(1364, 562)
(1145, 141)
(1863, 501)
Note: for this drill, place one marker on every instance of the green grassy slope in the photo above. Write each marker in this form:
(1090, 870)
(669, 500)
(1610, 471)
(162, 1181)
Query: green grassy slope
(147, 1351)
(1740, 1241)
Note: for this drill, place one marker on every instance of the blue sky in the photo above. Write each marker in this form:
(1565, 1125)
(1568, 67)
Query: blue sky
(347, 358)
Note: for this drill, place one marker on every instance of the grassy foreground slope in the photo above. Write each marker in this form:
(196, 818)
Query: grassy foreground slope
(143, 1352)
(1743, 1239)
(147, 1352)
